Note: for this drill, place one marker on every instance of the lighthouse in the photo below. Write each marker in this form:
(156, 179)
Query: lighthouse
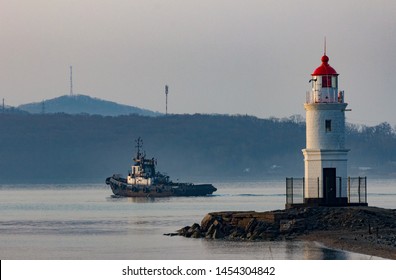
(326, 181)
(325, 155)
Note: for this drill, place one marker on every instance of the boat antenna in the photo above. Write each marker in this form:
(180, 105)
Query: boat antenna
(139, 145)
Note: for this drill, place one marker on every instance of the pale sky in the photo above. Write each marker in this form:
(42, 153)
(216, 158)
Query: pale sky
(250, 57)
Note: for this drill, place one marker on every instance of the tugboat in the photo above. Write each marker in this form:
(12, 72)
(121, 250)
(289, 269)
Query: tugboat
(144, 181)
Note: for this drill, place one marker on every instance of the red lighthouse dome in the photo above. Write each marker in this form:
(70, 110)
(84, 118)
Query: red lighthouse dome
(325, 69)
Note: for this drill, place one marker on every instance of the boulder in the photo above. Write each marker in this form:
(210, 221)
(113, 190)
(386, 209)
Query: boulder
(378, 224)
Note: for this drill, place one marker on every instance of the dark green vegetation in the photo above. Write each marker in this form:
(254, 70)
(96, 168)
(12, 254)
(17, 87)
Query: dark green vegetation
(83, 148)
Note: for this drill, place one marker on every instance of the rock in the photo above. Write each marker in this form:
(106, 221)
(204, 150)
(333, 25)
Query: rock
(217, 234)
(196, 234)
(206, 222)
(285, 225)
(183, 231)
(236, 233)
(291, 223)
(210, 231)
(171, 234)
(254, 236)
(251, 225)
(195, 226)
(216, 223)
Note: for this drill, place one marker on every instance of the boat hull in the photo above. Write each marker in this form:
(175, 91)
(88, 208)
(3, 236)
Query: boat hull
(120, 187)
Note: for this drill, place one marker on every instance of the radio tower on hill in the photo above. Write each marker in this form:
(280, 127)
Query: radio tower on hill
(166, 99)
(71, 80)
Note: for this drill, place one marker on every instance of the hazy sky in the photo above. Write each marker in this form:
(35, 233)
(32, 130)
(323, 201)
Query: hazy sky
(217, 56)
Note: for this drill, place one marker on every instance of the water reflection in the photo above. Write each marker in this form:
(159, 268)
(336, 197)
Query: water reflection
(145, 199)
(277, 250)
(314, 251)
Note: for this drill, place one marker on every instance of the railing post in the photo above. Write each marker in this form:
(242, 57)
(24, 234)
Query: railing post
(340, 183)
(365, 189)
(349, 189)
(287, 191)
(359, 188)
(318, 188)
(292, 193)
(303, 189)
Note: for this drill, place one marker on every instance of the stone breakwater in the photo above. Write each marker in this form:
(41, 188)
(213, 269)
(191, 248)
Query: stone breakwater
(368, 225)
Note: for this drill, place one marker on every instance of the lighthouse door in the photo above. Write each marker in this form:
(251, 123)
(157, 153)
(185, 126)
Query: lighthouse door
(329, 185)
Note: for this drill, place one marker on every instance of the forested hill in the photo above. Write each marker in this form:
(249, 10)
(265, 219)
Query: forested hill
(82, 148)
(83, 104)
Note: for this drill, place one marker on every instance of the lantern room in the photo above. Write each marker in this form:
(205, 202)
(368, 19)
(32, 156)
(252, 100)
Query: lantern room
(325, 84)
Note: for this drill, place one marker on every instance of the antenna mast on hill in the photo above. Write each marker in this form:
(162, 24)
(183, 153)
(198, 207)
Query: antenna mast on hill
(71, 80)
(43, 107)
(166, 99)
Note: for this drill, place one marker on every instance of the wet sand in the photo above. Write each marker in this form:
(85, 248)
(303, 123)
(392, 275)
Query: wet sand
(358, 241)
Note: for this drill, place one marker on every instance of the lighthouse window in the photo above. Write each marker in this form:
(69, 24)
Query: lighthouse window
(328, 125)
(334, 81)
(326, 81)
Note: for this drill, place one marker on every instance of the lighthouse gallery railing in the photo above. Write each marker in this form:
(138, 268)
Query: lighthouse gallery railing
(327, 95)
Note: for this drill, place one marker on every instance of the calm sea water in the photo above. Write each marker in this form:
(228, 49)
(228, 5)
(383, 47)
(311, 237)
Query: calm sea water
(87, 222)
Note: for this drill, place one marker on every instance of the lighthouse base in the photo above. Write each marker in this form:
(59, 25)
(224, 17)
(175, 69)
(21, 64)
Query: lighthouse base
(338, 201)
(318, 202)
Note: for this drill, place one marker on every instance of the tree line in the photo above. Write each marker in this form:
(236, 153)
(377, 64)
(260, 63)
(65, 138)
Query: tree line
(88, 148)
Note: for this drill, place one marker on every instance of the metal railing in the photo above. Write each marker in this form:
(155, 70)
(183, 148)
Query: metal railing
(356, 189)
(325, 95)
(295, 190)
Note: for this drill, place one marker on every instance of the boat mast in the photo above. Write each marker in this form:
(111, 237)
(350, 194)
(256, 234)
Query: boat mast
(139, 145)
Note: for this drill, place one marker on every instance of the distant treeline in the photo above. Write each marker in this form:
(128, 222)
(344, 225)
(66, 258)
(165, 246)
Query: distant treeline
(88, 148)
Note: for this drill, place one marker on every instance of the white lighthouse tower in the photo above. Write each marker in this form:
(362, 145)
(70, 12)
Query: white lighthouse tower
(325, 155)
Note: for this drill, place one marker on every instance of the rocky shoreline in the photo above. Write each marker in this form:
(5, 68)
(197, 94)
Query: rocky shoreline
(366, 230)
